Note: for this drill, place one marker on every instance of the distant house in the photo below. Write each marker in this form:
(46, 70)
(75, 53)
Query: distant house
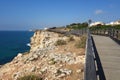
(45, 28)
(96, 24)
(114, 23)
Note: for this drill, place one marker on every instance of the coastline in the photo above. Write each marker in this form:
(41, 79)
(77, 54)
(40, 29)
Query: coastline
(50, 52)
(13, 42)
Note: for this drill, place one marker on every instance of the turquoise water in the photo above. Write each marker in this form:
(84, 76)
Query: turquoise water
(12, 43)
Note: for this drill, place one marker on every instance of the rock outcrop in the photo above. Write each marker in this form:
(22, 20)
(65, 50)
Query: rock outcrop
(51, 62)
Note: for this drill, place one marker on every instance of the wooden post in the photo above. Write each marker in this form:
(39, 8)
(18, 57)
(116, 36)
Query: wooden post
(117, 34)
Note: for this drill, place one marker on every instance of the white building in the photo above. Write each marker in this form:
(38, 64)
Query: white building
(45, 28)
(114, 23)
(96, 23)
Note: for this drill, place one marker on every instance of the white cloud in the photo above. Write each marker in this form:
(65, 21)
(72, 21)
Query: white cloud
(99, 12)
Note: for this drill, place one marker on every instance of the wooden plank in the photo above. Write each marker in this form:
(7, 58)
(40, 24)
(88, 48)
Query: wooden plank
(109, 53)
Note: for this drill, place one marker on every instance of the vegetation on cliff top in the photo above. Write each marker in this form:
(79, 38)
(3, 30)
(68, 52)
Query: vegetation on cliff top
(77, 25)
(105, 27)
(60, 42)
(30, 77)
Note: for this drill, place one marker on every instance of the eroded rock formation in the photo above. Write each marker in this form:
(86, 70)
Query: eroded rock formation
(49, 61)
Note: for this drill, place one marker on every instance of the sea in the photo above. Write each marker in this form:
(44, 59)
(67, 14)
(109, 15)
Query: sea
(12, 43)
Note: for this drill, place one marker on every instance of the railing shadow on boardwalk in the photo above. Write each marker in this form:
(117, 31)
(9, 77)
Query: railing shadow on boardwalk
(93, 66)
(100, 71)
(116, 40)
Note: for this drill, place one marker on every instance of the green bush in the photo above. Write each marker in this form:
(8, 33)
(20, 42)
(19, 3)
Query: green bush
(77, 25)
(104, 27)
(30, 77)
(52, 61)
(60, 42)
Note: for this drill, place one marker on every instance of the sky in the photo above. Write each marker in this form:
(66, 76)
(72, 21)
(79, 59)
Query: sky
(37, 14)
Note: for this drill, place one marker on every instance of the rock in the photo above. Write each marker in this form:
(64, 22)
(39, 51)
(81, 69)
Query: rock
(55, 71)
(16, 61)
(62, 75)
(19, 55)
(35, 56)
(44, 69)
(33, 69)
(16, 75)
(18, 58)
(31, 58)
(65, 58)
(66, 71)
(52, 61)
(46, 79)
(61, 65)
(79, 59)
(43, 39)
(79, 71)
(0, 66)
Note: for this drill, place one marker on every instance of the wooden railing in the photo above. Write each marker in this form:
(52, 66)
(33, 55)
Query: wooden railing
(112, 33)
(90, 68)
(77, 32)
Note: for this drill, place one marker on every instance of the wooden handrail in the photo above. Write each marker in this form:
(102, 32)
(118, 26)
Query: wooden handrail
(115, 33)
(112, 33)
(90, 68)
(77, 32)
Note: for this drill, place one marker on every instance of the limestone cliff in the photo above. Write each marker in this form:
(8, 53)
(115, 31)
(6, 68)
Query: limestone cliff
(43, 39)
(52, 56)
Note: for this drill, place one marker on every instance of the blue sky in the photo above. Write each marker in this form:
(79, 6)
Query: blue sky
(33, 14)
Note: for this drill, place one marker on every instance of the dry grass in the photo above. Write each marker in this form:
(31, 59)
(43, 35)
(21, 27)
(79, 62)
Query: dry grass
(60, 42)
(71, 38)
(30, 77)
(81, 43)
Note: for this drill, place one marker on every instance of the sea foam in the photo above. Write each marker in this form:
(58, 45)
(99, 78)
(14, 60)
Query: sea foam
(28, 44)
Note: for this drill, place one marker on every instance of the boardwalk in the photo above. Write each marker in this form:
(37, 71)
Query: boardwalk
(109, 53)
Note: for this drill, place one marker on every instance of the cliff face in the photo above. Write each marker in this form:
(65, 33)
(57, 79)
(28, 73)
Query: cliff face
(43, 39)
(52, 56)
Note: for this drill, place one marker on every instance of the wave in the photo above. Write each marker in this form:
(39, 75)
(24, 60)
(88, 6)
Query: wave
(28, 44)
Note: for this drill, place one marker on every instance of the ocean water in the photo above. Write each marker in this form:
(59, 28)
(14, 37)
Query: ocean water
(12, 43)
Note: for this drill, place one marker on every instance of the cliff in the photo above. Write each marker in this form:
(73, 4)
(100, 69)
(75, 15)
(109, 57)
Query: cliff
(52, 56)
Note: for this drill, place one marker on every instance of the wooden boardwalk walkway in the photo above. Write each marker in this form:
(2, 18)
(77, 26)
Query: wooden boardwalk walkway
(109, 53)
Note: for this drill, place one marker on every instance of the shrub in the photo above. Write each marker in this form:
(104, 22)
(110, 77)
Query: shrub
(61, 35)
(81, 43)
(60, 42)
(30, 77)
(71, 38)
(52, 61)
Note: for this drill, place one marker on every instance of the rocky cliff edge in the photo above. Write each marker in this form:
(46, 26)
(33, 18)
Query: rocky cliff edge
(52, 56)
